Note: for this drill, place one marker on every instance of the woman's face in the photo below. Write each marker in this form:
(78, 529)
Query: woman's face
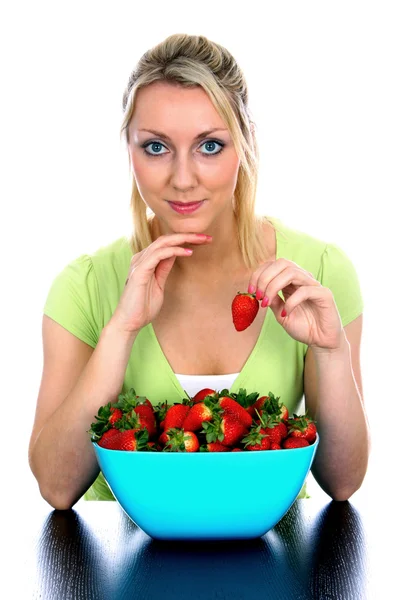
(176, 163)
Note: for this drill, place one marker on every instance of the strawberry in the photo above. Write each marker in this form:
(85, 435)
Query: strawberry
(242, 397)
(244, 310)
(214, 447)
(273, 407)
(163, 439)
(294, 442)
(132, 439)
(275, 446)
(231, 407)
(225, 428)
(257, 439)
(107, 416)
(160, 410)
(274, 428)
(109, 438)
(147, 418)
(198, 413)
(133, 420)
(302, 427)
(199, 397)
(237, 450)
(259, 405)
(175, 416)
(115, 416)
(181, 441)
(130, 400)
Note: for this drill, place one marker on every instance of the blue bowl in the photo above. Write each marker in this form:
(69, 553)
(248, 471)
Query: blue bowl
(206, 496)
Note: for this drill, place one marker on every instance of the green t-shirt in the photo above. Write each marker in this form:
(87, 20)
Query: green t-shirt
(85, 294)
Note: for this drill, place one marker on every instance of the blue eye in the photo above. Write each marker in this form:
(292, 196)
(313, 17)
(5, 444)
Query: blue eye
(208, 143)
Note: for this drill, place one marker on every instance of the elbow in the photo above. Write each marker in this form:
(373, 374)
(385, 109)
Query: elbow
(342, 495)
(57, 501)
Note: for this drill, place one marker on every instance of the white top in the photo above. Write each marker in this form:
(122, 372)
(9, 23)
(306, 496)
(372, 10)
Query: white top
(194, 383)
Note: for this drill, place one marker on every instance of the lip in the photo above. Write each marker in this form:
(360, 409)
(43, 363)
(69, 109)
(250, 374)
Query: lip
(185, 209)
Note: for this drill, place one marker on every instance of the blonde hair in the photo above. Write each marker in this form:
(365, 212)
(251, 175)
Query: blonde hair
(192, 61)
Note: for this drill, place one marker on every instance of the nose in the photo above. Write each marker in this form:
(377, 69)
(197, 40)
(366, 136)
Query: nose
(183, 176)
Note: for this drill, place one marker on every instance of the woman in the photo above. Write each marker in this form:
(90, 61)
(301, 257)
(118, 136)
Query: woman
(153, 312)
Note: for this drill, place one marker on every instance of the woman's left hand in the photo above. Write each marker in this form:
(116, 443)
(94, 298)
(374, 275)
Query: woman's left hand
(312, 316)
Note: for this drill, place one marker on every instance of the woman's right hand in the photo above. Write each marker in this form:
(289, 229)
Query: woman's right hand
(143, 295)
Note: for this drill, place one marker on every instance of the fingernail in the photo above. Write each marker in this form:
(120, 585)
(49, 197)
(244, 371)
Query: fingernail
(259, 294)
(265, 302)
(251, 289)
(283, 313)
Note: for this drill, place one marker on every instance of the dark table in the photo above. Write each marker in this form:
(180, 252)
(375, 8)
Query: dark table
(320, 549)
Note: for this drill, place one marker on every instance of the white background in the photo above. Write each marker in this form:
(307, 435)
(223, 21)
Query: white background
(324, 91)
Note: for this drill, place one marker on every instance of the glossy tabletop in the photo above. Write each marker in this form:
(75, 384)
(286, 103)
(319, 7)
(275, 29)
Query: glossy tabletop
(320, 549)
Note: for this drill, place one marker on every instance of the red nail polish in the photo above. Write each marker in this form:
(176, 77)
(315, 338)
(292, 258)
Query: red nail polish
(283, 313)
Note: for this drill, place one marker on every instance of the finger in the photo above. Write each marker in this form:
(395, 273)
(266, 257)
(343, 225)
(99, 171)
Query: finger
(158, 255)
(320, 295)
(269, 269)
(174, 239)
(294, 276)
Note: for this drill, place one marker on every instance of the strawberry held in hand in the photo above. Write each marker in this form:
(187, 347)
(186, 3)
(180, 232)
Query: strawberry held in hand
(244, 310)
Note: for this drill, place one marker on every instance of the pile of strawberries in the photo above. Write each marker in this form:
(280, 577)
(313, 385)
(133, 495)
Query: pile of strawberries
(211, 421)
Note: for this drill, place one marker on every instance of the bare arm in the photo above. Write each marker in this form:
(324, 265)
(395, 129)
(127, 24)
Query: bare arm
(333, 391)
(77, 380)
(61, 455)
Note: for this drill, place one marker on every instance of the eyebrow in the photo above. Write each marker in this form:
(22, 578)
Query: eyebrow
(201, 135)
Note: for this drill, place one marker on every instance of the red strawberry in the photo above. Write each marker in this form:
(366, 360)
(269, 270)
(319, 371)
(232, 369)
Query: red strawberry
(244, 310)
(302, 427)
(275, 429)
(275, 446)
(160, 410)
(147, 418)
(133, 420)
(199, 397)
(214, 447)
(129, 400)
(284, 414)
(163, 439)
(175, 416)
(115, 416)
(181, 441)
(294, 442)
(231, 407)
(226, 429)
(109, 438)
(258, 404)
(133, 439)
(256, 439)
(197, 414)
(237, 450)
(107, 416)
(242, 397)
(272, 406)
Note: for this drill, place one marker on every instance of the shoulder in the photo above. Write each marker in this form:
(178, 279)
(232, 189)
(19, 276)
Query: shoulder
(313, 253)
(295, 238)
(112, 250)
(114, 256)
